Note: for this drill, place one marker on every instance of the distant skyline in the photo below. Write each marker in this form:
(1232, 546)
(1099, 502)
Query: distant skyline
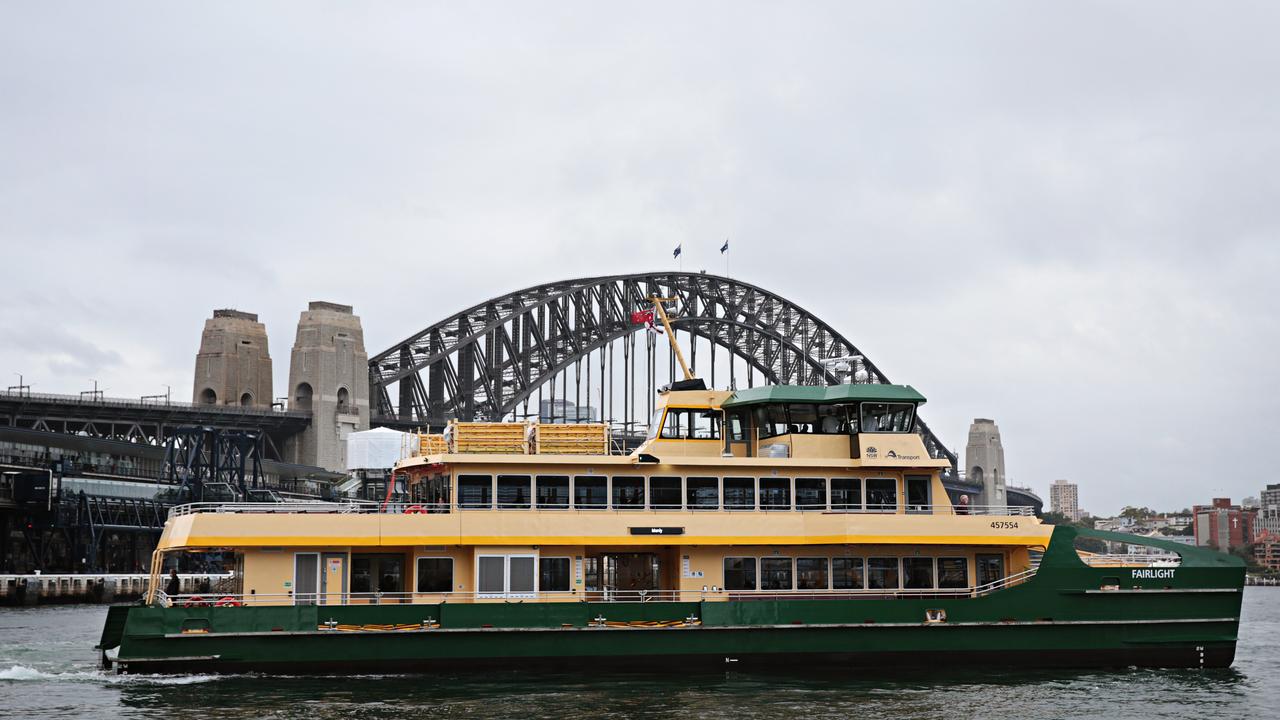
(1060, 217)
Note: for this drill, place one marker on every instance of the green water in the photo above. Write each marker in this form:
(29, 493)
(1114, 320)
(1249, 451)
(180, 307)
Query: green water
(48, 669)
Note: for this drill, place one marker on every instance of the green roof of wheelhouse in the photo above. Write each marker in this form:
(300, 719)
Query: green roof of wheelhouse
(823, 395)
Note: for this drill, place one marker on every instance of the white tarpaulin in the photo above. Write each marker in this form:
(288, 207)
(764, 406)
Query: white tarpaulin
(376, 449)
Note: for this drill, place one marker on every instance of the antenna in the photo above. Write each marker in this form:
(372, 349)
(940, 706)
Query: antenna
(671, 336)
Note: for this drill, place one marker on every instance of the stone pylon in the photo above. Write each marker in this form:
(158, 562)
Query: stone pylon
(233, 366)
(984, 462)
(329, 377)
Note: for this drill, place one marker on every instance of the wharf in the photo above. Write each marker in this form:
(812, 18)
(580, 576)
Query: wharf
(46, 589)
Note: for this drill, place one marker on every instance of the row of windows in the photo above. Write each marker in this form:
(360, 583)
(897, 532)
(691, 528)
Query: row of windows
(513, 575)
(855, 573)
(780, 419)
(598, 492)
(499, 574)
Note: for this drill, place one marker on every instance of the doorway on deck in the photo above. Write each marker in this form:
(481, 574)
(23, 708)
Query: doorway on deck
(631, 574)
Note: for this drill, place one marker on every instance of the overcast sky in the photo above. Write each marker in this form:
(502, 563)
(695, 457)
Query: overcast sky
(1063, 216)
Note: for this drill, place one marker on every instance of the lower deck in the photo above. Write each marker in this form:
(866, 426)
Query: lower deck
(578, 573)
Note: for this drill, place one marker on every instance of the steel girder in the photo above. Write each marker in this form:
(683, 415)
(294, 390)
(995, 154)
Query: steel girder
(483, 362)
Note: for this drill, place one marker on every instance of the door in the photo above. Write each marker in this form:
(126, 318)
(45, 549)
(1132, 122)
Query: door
(990, 569)
(333, 580)
(306, 578)
(628, 574)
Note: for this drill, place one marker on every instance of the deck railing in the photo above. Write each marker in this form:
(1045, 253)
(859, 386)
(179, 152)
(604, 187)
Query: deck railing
(1131, 560)
(603, 596)
(364, 506)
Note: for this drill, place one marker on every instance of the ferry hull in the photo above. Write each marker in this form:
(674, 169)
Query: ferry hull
(681, 650)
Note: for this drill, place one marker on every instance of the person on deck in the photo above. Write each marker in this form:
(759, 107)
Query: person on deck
(963, 507)
(174, 586)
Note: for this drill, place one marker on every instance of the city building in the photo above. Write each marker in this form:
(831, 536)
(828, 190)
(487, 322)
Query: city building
(566, 411)
(1266, 550)
(1223, 526)
(1064, 499)
(1269, 511)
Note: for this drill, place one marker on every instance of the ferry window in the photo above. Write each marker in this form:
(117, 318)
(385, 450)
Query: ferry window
(739, 493)
(703, 492)
(377, 573)
(917, 487)
(738, 427)
(653, 424)
(882, 494)
(509, 575)
(628, 492)
(513, 492)
(435, 575)
(775, 493)
(811, 573)
(739, 573)
(802, 418)
(706, 424)
(775, 573)
(811, 493)
(475, 491)
(833, 419)
(590, 491)
(664, 493)
(917, 573)
(953, 572)
(846, 573)
(553, 491)
(591, 573)
(887, 417)
(846, 493)
(771, 420)
(990, 568)
(553, 574)
(882, 573)
(676, 424)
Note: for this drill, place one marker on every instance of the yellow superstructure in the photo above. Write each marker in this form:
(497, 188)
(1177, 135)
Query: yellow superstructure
(733, 495)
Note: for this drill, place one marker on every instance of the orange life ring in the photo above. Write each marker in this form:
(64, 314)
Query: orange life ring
(414, 510)
(195, 601)
(227, 601)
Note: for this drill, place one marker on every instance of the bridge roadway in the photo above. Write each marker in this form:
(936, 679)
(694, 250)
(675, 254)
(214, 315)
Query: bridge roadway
(139, 421)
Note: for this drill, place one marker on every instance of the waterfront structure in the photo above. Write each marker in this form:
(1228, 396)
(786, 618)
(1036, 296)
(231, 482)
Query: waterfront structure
(328, 377)
(1269, 510)
(1223, 526)
(233, 366)
(764, 526)
(1064, 499)
(984, 461)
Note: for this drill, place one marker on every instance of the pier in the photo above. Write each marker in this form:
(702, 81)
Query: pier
(41, 589)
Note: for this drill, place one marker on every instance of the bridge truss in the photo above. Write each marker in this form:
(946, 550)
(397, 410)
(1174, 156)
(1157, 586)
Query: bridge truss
(573, 343)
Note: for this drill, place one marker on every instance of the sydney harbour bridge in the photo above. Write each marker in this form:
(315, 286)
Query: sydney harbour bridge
(574, 343)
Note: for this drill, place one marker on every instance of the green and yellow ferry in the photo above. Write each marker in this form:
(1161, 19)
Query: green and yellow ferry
(768, 526)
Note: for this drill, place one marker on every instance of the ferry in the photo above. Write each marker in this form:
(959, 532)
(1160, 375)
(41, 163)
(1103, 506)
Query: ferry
(768, 526)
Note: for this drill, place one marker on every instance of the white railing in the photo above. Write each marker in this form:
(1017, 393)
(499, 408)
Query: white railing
(606, 596)
(366, 506)
(288, 507)
(1130, 560)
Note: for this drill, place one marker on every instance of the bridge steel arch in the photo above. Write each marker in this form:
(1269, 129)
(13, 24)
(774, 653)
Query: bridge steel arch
(484, 362)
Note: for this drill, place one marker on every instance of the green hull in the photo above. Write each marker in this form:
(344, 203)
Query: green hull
(1060, 617)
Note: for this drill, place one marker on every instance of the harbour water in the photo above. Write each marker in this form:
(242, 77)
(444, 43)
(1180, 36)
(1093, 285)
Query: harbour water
(48, 669)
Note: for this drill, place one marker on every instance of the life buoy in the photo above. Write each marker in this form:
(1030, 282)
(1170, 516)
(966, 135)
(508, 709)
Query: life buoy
(195, 601)
(227, 601)
(414, 510)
